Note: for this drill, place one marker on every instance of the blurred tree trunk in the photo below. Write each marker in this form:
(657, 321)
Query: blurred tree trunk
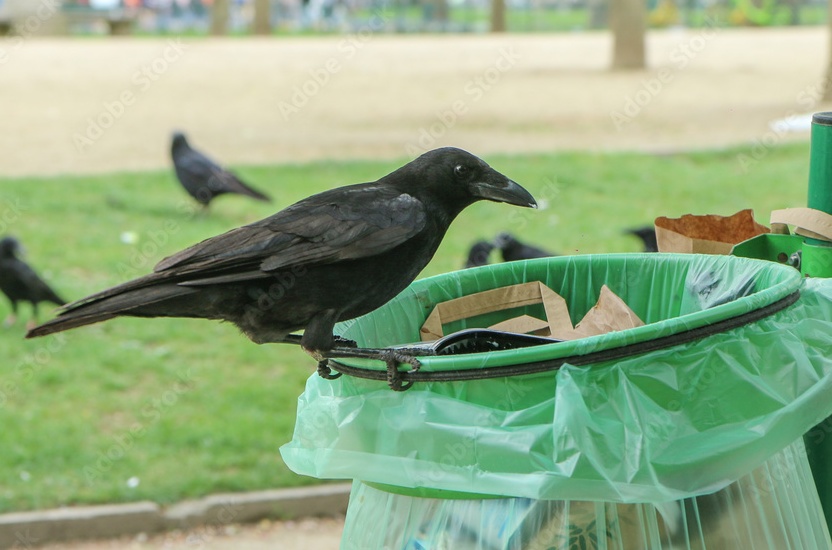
(827, 83)
(628, 22)
(219, 17)
(262, 17)
(442, 12)
(498, 15)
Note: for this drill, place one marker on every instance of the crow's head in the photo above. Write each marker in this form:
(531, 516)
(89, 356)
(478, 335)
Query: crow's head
(10, 247)
(504, 240)
(178, 140)
(478, 254)
(458, 177)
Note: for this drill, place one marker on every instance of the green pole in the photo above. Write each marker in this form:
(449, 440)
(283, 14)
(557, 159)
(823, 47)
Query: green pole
(816, 261)
(817, 255)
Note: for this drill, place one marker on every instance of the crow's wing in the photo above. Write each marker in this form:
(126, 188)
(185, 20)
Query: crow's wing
(200, 171)
(195, 166)
(343, 224)
(36, 288)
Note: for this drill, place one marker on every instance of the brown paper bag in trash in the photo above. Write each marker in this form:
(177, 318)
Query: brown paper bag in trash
(610, 313)
(556, 324)
(708, 234)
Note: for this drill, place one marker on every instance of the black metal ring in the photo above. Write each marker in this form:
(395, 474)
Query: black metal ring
(620, 352)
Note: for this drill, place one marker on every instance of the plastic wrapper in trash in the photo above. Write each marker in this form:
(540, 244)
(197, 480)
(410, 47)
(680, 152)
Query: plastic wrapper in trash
(774, 506)
(677, 422)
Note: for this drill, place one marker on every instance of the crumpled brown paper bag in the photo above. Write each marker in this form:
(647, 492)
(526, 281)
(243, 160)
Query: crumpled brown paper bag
(609, 313)
(706, 234)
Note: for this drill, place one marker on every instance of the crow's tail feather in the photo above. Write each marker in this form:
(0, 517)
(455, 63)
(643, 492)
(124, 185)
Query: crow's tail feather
(132, 299)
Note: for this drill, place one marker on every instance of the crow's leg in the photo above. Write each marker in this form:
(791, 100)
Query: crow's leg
(317, 341)
(12, 318)
(33, 322)
(392, 357)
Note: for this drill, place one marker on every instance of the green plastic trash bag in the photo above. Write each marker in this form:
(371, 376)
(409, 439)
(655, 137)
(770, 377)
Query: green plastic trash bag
(675, 422)
(773, 507)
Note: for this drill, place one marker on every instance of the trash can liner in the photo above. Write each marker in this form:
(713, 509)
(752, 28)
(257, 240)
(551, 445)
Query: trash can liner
(774, 506)
(674, 423)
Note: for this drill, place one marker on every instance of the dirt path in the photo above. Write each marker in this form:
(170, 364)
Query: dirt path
(94, 105)
(306, 534)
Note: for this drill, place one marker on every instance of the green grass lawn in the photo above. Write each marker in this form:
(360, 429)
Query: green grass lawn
(169, 409)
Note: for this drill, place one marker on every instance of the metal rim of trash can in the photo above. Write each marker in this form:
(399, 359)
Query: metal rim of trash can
(594, 349)
(602, 356)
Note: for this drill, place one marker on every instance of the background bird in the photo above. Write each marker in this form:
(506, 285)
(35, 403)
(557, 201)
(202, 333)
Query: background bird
(20, 283)
(328, 258)
(647, 234)
(512, 249)
(478, 254)
(204, 179)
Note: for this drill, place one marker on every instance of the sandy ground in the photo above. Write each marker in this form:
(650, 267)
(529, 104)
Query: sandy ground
(86, 106)
(93, 105)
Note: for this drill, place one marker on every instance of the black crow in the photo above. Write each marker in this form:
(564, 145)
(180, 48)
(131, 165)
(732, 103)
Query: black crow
(478, 254)
(328, 258)
(204, 179)
(512, 249)
(647, 234)
(20, 283)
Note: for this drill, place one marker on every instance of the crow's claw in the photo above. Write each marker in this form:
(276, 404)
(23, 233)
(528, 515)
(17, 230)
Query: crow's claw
(325, 372)
(393, 358)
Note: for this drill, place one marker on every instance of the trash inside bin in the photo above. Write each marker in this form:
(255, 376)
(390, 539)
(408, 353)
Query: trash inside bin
(727, 372)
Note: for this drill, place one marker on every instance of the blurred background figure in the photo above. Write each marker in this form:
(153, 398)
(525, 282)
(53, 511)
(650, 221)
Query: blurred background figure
(478, 254)
(647, 234)
(512, 249)
(20, 283)
(204, 179)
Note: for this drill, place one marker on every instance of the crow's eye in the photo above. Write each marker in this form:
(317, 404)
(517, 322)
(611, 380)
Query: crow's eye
(461, 171)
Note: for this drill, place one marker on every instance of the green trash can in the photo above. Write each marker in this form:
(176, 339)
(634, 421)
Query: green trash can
(719, 385)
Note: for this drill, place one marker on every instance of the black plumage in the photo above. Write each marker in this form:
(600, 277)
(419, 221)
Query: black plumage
(204, 179)
(330, 257)
(647, 234)
(512, 249)
(478, 254)
(20, 283)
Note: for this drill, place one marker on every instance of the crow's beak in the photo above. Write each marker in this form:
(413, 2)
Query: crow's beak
(505, 190)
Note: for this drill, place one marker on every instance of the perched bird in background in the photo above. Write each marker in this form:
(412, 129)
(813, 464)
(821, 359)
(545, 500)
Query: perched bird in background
(512, 249)
(20, 283)
(647, 234)
(328, 258)
(478, 254)
(202, 178)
